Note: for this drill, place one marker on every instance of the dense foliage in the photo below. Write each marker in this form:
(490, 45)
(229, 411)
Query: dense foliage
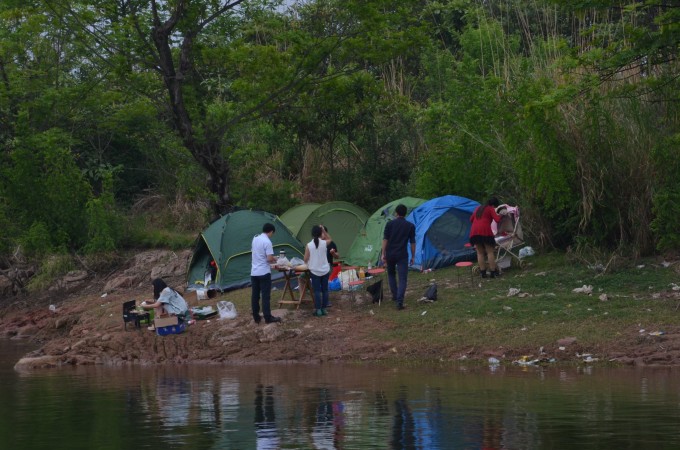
(568, 109)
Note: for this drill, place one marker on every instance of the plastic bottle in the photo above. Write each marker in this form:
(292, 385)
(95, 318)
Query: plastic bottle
(362, 274)
(281, 260)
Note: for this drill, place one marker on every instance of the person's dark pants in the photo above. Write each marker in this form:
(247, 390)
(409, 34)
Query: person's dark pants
(261, 286)
(398, 268)
(320, 287)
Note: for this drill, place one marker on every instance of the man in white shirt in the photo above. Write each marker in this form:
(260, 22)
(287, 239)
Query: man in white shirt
(262, 253)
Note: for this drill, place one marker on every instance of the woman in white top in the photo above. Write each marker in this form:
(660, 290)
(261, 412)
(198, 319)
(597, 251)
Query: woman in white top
(317, 263)
(167, 301)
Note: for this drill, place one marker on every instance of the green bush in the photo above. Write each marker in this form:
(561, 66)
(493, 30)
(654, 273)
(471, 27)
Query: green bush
(9, 230)
(102, 220)
(100, 230)
(665, 224)
(36, 241)
(45, 186)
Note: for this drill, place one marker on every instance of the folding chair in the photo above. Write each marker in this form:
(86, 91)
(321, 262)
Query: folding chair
(355, 286)
(462, 265)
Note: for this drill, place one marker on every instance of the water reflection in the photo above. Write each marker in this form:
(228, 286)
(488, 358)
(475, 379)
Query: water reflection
(265, 418)
(338, 407)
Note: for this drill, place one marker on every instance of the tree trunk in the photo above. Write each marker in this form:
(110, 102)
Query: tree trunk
(208, 153)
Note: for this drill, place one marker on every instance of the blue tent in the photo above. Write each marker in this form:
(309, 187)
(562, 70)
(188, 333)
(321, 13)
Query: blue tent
(442, 230)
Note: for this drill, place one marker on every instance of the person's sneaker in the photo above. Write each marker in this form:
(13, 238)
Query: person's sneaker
(257, 319)
(317, 313)
(401, 307)
(323, 312)
(273, 319)
(483, 272)
(495, 274)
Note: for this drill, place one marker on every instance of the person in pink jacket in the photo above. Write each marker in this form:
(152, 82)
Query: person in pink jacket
(482, 238)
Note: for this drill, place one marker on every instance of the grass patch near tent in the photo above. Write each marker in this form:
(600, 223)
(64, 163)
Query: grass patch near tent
(545, 309)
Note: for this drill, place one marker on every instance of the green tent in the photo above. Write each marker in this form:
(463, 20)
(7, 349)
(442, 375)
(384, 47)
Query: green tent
(365, 249)
(343, 219)
(228, 242)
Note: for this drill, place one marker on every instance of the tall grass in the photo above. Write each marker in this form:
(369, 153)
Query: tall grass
(582, 132)
(158, 222)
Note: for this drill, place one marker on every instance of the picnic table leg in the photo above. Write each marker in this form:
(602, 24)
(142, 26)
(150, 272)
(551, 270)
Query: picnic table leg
(287, 288)
(304, 287)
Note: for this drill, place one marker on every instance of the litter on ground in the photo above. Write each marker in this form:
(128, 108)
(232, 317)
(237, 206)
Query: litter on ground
(585, 289)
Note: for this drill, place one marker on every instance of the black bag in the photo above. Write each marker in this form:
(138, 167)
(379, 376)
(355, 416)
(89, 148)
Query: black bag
(431, 292)
(376, 291)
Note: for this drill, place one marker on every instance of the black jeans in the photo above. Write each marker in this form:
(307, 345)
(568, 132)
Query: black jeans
(397, 268)
(261, 286)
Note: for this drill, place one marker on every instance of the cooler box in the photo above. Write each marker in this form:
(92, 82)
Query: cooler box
(171, 329)
(169, 325)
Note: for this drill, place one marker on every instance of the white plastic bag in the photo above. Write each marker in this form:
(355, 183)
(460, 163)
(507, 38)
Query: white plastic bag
(282, 261)
(346, 277)
(227, 310)
(295, 261)
(526, 251)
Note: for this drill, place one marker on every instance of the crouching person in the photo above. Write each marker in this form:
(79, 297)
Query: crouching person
(167, 302)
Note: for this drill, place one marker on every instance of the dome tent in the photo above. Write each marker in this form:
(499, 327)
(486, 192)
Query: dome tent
(228, 240)
(343, 219)
(442, 230)
(367, 245)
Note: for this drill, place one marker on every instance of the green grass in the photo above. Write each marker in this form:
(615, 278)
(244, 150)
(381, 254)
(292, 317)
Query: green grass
(154, 238)
(486, 317)
(473, 317)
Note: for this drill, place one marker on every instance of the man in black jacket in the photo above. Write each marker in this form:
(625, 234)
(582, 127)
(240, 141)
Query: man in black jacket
(398, 233)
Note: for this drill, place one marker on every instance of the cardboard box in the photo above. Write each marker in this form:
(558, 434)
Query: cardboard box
(166, 321)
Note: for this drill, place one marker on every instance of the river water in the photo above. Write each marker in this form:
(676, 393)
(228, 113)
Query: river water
(336, 406)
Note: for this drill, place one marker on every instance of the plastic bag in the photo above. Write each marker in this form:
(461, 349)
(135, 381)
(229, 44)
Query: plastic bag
(526, 251)
(282, 261)
(431, 292)
(346, 277)
(334, 285)
(227, 310)
(295, 261)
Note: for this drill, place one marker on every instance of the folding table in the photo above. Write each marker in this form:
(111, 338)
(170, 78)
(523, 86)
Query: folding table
(304, 286)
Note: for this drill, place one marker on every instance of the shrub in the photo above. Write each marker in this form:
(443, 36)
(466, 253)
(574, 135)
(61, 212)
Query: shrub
(52, 267)
(37, 241)
(45, 186)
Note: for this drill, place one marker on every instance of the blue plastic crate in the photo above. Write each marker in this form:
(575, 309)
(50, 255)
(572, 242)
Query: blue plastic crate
(171, 329)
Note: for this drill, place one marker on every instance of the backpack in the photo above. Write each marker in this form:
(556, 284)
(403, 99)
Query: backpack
(376, 291)
(430, 294)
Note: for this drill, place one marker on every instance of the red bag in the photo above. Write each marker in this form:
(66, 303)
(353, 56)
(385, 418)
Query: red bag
(334, 272)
